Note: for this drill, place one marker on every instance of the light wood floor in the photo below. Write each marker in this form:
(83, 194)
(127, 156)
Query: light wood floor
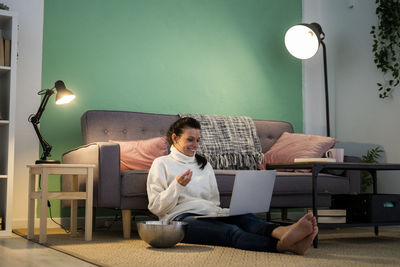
(17, 251)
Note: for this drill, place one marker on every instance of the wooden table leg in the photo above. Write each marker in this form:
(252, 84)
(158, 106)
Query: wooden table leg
(31, 205)
(89, 204)
(43, 205)
(126, 223)
(74, 207)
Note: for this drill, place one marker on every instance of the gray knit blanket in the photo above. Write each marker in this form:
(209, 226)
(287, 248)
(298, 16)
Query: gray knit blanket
(228, 142)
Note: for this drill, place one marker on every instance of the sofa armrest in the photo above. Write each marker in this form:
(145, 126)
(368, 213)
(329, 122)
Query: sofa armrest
(353, 175)
(106, 176)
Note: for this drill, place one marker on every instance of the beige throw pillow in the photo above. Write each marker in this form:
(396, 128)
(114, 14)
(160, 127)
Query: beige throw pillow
(292, 145)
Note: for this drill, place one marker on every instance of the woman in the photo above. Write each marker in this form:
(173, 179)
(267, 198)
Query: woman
(182, 185)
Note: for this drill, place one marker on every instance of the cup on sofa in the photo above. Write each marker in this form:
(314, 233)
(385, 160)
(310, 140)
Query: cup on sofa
(336, 153)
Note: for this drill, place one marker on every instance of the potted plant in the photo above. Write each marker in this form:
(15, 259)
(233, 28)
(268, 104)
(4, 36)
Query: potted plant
(386, 45)
(3, 6)
(372, 156)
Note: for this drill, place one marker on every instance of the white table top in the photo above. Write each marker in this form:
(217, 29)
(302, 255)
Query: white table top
(61, 165)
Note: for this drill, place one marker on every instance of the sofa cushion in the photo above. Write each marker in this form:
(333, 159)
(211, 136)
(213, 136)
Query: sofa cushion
(289, 184)
(291, 145)
(133, 183)
(140, 154)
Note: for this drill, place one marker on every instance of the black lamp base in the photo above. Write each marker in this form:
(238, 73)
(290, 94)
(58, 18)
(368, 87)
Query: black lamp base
(47, 161)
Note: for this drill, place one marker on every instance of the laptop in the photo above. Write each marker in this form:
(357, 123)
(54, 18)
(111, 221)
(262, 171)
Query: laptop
(252, 193)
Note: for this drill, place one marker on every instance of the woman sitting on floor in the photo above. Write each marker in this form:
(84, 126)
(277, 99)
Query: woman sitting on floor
(182, 185)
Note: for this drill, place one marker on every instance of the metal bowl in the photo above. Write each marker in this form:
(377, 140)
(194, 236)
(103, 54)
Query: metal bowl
(161, 234)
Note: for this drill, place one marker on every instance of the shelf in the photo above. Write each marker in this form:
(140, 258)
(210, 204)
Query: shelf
(361, 224)
(9, 28)
(4, 69)
(5, 16)
(342, 225)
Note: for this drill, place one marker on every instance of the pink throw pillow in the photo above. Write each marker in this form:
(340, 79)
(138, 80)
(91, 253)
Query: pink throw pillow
(291, 145)
(140, 154)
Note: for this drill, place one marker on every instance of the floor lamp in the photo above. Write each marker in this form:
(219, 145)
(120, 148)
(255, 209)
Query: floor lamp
(302, 41)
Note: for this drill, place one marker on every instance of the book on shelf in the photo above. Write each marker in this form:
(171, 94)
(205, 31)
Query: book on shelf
(314, 160)
(330, 212)
(7, 53)
(331, 215)
(1, 51)
(332, 219)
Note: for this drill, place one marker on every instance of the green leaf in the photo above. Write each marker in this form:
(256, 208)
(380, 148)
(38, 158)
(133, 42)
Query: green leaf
(386, 43)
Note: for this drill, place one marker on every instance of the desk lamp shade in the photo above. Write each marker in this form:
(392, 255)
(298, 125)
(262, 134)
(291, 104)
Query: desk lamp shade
(63, 96)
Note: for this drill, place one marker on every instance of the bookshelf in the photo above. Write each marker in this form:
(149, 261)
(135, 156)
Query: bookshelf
(8, 29)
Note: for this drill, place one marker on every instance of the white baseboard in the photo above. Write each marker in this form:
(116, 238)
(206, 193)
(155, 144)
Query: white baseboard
(5, 233)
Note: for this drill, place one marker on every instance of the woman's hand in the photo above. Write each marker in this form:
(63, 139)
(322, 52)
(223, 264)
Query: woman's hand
(184, 178)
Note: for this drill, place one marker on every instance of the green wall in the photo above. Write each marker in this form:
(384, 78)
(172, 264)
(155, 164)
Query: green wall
(169, 56)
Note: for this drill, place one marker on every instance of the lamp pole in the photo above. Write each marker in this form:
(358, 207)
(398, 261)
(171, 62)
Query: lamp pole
(328, 131)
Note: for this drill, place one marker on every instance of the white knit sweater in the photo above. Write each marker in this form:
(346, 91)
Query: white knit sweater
(168, 199)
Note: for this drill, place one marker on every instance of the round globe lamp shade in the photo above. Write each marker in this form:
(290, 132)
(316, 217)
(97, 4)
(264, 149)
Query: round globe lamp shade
(302, 41)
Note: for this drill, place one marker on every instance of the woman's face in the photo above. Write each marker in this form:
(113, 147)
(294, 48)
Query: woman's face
(188, 142)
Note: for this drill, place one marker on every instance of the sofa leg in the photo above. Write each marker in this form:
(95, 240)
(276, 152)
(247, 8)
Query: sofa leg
(94, 218)
(284, 214)
(126, 223)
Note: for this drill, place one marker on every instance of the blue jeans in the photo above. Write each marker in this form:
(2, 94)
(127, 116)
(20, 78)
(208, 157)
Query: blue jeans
(246, 231)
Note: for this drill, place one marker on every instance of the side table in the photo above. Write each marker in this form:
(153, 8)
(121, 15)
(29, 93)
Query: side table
(317, 167)
(44, 170)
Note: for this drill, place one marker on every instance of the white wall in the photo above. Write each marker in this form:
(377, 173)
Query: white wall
(29, 73)
(360, 119)
(313, 79)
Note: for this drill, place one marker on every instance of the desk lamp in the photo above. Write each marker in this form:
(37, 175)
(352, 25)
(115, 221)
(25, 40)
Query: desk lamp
(63, 96)
(302, 41)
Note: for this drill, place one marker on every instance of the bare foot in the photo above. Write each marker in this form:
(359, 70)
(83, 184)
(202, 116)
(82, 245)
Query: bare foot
(298, 231)
(314, 221)
(302, 246)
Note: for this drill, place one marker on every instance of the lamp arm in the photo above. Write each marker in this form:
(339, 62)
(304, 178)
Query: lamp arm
(38, 115)
(46, 146)
(35, 120)
(328, 132)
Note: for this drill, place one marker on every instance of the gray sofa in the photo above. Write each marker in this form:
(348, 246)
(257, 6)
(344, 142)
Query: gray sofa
(127, 190)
